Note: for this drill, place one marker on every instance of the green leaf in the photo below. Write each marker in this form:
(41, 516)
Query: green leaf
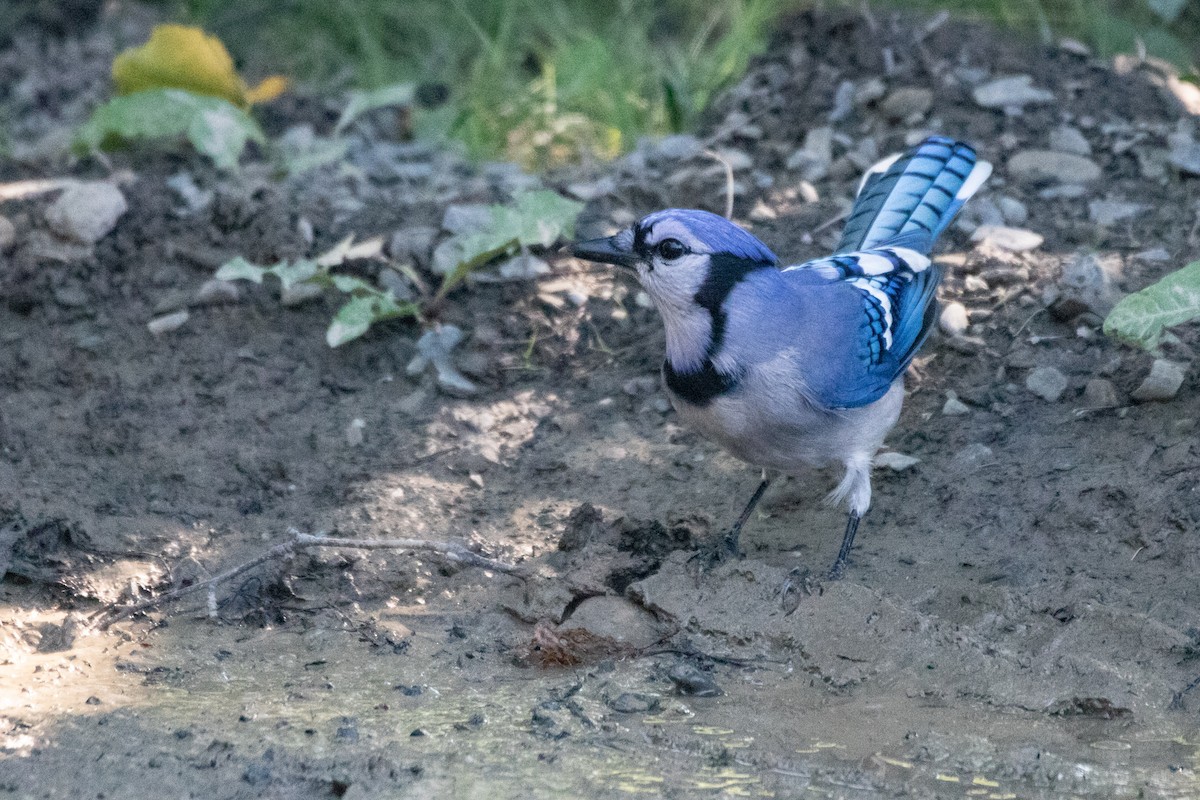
(1141, 317)
(296, 154)
(397, 94)
(362, 311)
(291, 274)
(538, 218)
(215, 127)
(239, 269)
(351, 284)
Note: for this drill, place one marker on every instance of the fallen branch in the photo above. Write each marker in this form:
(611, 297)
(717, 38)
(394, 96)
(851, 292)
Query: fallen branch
(452, 551)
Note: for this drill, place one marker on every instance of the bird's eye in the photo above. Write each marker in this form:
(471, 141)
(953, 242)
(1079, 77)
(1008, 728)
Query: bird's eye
(671, 249)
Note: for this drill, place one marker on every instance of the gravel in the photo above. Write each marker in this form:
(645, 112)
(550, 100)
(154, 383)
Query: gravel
(1011, 92)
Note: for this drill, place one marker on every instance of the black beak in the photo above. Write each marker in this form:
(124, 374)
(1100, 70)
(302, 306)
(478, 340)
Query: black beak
(606, 251)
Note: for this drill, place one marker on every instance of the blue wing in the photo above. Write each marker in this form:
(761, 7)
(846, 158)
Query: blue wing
(915, 195)
(892, 293)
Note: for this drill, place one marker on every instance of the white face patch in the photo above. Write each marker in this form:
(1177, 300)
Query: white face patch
(672, 286)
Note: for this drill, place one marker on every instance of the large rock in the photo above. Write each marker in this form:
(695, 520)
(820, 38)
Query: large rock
(1050, 166)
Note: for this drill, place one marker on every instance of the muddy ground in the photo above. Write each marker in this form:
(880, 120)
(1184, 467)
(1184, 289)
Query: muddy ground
(1021, 617)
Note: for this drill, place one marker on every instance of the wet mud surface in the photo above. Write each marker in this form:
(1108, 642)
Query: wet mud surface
(1021, 617)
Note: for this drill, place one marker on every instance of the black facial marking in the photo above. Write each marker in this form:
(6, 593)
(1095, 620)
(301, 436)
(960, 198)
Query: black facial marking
(700, 387)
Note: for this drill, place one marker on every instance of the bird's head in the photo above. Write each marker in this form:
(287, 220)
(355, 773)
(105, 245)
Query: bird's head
(674, 252)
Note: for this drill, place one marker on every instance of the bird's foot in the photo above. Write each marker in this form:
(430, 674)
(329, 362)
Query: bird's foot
(712, 555)
(798, 584)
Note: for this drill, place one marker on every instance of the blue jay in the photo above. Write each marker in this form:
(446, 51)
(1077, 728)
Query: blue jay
(801, 366)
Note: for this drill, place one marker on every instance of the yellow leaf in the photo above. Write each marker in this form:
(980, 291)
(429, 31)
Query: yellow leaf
(268, 89)
(183, 57)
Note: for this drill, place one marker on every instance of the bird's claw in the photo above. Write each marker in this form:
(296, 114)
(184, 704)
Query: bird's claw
(798, 584)
(710, 556)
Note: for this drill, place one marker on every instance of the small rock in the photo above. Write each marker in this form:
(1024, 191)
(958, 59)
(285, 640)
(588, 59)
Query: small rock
(1162, 383)
(634, 703)
(466, 218)
(954, 407)
(71, 295)
(1087, 284)
(814, 159)
(737, 160)
(1100, 393)
(1014, 240)
(215, 292)
(843, 101)
(692, 681)
(194, 198)
(592, 190)
(897, 462)
(953, 319)
(435, 347)
(1184, 152)
(971, 458)
(1068, 139)
(413, 244)
(1013, 210)
(1066, 191)
(167, 322)
(974, 283)
(355, 432)
(1049, 166)
(869, 91)
(86, 212)
(679, 147)
(1047, 383)
(8, 233)
(906, 102)
(523, 267)
(1108, 212)
(1014, 91)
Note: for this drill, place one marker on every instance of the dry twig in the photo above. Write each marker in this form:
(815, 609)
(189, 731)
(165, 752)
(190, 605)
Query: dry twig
(452, 551)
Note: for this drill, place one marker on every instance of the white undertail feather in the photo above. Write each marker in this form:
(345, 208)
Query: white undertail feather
(855, 487)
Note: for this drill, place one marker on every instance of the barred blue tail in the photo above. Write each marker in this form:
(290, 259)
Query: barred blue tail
(913, 197)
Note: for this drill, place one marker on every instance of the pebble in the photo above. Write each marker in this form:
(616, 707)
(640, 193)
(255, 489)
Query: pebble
(354, 431)
(71, 295)
(592, 190)
(692, 681)
(1014, 240)
(953, 319)
(974, 283)
(954, 407)
(897, 462)
(869, 91)
(1087, 285)
(1014, 91)
(194, 198)
(215, 292)
(413, 243)
(1066, 191)
(1162, 383)
(1047, 383)
(1013, 210)
(86, 212)
(1100, 393)
(524, 267)
(434, 347)
(167, 322)
(971, 458)
(634, 703)
(815, 157)
(679, 147)
(1069, 139)
(1108, 212)
(907, 102)
(1049, 166)
(299, 293)
(1184, 153)
(8, 232)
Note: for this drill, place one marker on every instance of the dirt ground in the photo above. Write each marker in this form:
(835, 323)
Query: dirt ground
(1021, 617)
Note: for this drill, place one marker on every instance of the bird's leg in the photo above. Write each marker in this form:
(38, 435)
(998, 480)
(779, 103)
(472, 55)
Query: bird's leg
(839, 564)
(734, 533)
